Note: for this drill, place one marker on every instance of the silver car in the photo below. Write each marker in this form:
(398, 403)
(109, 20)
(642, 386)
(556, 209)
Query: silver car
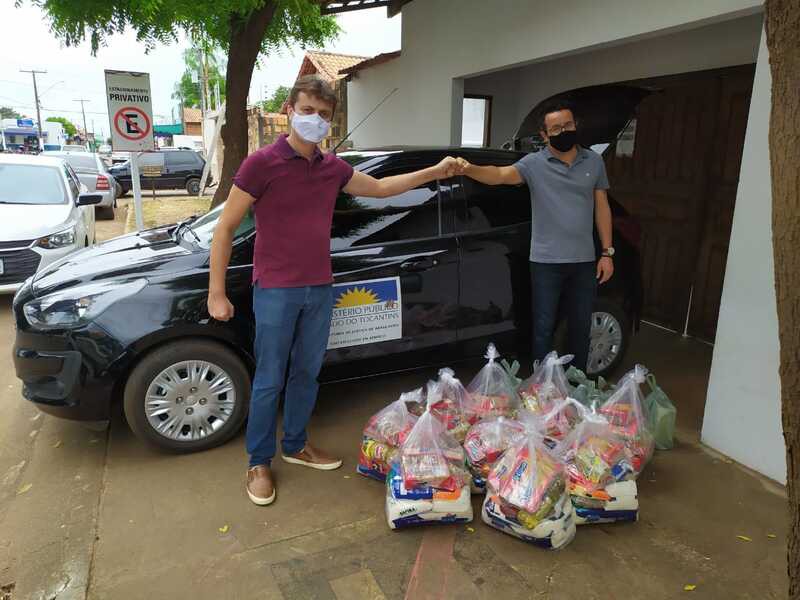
(92, 172)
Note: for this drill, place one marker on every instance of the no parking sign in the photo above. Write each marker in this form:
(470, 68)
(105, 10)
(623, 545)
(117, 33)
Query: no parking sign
(130, 111)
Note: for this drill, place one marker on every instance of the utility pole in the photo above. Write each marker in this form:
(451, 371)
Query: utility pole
(85, 130)
(36, 97)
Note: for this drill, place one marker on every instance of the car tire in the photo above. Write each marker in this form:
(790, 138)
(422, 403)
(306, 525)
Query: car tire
(144, 380)
(607, 317)
(193, 187)
(105, 213)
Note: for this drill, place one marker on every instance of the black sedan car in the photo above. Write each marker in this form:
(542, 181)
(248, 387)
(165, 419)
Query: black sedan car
(426, 277)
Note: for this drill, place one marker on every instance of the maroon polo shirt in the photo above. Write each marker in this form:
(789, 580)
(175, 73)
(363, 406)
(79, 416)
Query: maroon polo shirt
(293, 212)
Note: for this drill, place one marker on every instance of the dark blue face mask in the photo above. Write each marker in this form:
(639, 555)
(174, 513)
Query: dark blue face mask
(564, 141)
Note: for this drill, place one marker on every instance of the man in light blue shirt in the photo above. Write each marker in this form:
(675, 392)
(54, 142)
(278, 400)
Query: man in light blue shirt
(568, 186)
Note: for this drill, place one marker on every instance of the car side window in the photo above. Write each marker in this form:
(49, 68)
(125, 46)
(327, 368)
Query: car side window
(180, 160)
(360, 221)
(491, 206)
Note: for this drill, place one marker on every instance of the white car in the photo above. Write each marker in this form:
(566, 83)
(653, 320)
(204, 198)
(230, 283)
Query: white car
(45, 214)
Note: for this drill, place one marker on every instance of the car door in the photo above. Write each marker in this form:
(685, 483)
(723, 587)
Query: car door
(84, 222)
(179, 164)
(493, 224)
(395, 273)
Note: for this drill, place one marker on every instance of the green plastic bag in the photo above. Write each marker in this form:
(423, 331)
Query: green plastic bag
(661, 413)
(586, 391)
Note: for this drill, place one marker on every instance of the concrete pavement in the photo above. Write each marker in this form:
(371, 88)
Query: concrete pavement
(99, 515)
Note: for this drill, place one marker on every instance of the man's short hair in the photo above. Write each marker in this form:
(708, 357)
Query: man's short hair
(314, 86)
(555, 106)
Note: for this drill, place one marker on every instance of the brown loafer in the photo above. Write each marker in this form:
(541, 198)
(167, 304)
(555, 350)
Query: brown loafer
(314, 458)
(260, 487)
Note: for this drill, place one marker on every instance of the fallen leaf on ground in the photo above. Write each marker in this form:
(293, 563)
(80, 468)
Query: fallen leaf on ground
(471, 529)
(347, 476)
(24, 488)
(224, 529)
(744, 538)
(689, 587)
(771, 536)
(57, 444)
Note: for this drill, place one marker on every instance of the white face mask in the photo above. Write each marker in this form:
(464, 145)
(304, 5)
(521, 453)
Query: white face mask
(312, 128)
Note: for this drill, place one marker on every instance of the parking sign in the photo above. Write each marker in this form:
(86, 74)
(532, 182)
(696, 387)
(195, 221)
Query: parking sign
(130, 111)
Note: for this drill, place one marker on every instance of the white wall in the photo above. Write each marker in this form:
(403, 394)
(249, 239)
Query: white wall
(743, 413)
(444, 41)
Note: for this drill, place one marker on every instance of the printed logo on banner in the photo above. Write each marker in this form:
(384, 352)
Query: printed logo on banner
(366, 312)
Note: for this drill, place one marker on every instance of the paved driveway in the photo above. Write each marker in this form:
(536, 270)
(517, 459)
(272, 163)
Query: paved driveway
(97, 514)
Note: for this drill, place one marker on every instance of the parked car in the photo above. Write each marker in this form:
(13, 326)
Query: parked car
(130, 319)
(92, 172)
(45, 215)
(179, 169)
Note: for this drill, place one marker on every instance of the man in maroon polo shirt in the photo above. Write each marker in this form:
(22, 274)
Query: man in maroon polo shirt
(292, 188)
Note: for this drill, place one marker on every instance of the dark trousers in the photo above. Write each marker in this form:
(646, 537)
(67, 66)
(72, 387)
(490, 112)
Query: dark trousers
(575, 284)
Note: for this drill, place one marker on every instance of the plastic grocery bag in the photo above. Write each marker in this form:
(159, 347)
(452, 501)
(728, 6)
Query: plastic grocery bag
(547, 386)
(624, 412)
(599, 472)
(430, 456)
(586, 391)
(491, 392)
(485, 444)
(661, 414)
(428, 481)
(450, 408)
(559, 421)
(385, 431)
(526, 494)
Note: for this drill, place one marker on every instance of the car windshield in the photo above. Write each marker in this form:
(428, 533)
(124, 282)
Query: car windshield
(204, 226)
(31, 184)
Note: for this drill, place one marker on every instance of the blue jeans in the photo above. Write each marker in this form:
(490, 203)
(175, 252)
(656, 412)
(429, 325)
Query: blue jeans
(576, 284)
(292, 326)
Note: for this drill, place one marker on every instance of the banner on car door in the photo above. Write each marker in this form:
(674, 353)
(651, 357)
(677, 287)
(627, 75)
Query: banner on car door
(366, 312)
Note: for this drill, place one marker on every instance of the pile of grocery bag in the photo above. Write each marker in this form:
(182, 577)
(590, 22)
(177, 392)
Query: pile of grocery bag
(550, 452)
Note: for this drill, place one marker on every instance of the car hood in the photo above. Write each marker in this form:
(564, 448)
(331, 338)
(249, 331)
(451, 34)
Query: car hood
(602, 112)
(151, 253)
(32, 221)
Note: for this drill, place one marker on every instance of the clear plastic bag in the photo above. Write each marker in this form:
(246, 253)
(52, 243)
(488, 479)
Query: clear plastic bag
(488, 440)
(450, 408)
(547, 386)
(385, 431)
(430, 456)
(491, 392)
(559, 421)
(528, 482)
(625, 414)
(595, 456)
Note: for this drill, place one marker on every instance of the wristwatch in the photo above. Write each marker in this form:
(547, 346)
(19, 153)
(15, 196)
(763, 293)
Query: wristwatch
(608, 252)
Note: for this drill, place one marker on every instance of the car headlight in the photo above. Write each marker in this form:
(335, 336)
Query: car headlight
(58, 240)
(77, 306)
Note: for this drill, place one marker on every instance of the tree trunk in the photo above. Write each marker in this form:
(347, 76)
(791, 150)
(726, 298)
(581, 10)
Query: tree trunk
(783, 40)
(246, 38)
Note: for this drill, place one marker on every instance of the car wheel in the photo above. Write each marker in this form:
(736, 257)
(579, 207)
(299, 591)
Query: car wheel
(187, 396)
(193, 187)
(609, 338)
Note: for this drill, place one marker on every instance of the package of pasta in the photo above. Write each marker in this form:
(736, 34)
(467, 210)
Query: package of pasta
(485, 444)
(491, 392)
(385, 431)
(449, 407)
(526, 494)
(625, 414)
(600, 476)
(547, 386)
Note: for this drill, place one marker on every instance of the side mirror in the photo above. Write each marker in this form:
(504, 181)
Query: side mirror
(88, 199)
